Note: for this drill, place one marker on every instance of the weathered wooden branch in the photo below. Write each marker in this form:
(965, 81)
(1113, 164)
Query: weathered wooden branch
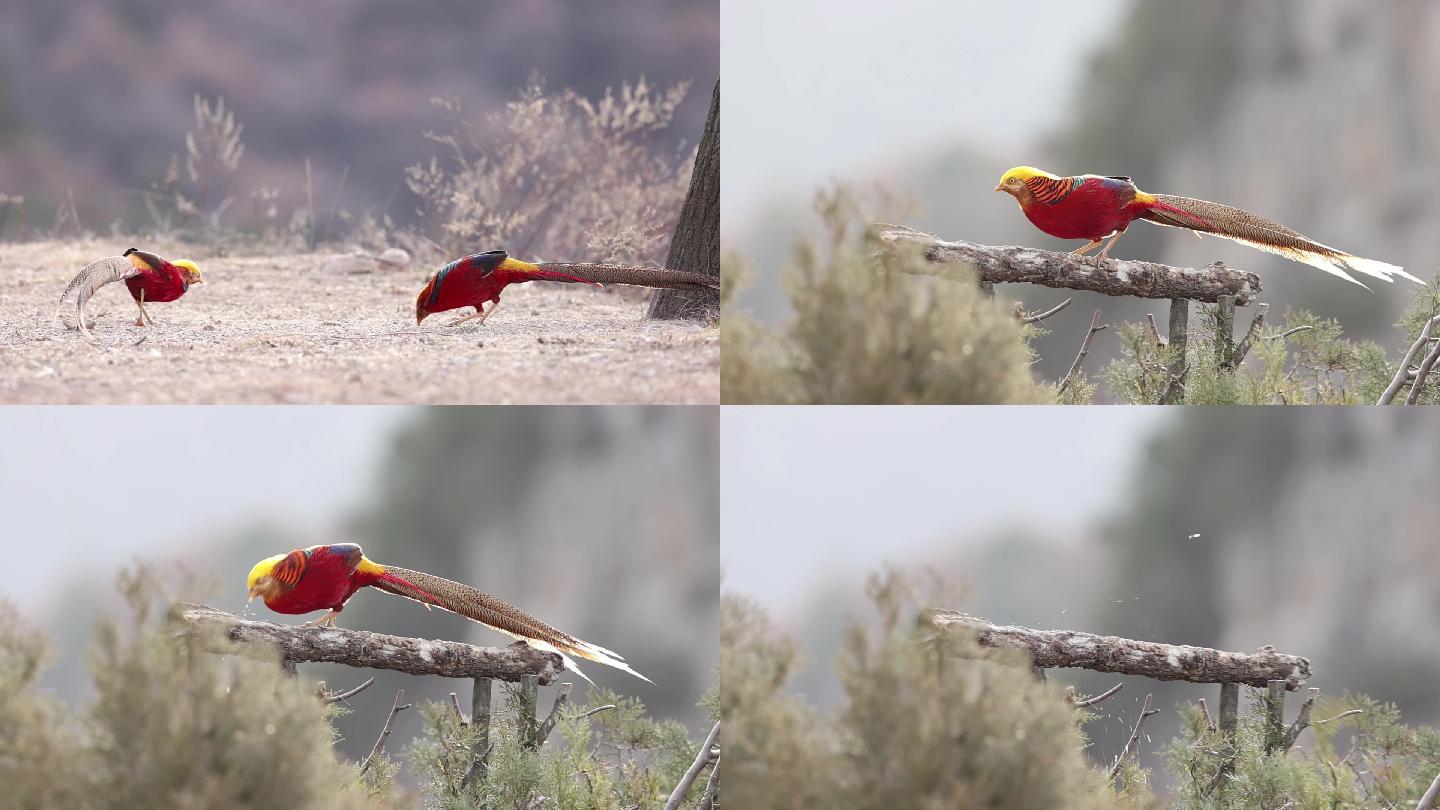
(1427, 802)
(223, 632)
(1165, 662)
(385, 732)
(1011, 264)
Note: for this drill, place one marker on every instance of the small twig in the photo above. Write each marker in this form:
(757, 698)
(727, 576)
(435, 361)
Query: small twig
(380, 743)
(701, 759)
(1256, 324)
(335, 203)
(1037, 317)
(1288, 332)
(336, 697)
(1205, 713)
(459, 715)
(1339, 716)
(1095, 326)
(596, 710)
(1108, 693)
(476, 766)
(1155, 340)
(1399, 381)
(1145, 711)
(549, 724)
(1173, 388)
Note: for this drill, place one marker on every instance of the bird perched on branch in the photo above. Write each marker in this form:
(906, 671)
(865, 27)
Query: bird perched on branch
(475, 280)
(148, 277)
(1093, 207)
(325, 577)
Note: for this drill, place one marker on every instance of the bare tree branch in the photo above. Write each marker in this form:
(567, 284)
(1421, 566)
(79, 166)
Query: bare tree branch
(1145, 711)
(1400, 376)
(1302, 721)
(1091, 701)
(701, 759)
(1010, 264)
(1095, 326)
(227, 633)
(385, 732)
(1165, 662)
(336, 697)
(1254, 331)
(1418, 386)
(549, 723)
(1038, 317)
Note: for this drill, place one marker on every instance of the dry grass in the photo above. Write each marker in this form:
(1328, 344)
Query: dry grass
(274, 329)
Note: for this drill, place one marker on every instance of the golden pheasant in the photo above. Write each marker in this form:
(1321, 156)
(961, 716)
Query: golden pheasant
(147, 276)
(1093, 208)
(325, 577)
(474, 280)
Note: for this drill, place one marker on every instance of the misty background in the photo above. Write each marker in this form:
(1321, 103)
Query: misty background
(96, 97)
(1322, 115)
(1230, 528)
(601, 521)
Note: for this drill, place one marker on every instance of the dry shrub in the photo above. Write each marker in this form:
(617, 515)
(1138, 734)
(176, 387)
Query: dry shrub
(865, 332)
(921, 726)
(558, 175)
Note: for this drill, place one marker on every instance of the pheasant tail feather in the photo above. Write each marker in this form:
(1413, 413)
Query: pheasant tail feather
(496, 614)
(635, 276)
(1258, 232)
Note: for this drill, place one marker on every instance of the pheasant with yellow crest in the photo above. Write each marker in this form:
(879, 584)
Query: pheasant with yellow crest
(325, 577)
(1095, 208)
(147, 276)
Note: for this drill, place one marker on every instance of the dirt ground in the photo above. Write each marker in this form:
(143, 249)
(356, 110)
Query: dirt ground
(276, 329)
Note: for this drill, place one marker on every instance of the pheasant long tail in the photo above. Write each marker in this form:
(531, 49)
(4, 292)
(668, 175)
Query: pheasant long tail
(96, 275)
(1263, 234)
(498, 615)
(636, 276)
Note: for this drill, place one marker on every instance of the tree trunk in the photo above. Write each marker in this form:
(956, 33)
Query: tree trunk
(696, 244)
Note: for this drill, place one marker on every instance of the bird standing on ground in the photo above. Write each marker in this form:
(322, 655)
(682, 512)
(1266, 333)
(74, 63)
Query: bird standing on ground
(474, 280)
(1093, 207)
(325, 577)
(148, 277)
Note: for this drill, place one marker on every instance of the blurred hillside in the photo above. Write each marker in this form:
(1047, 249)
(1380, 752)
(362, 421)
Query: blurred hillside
(1322, 115)
(95, 97)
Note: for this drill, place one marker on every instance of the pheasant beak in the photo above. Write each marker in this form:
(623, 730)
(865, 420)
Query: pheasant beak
(999, 186)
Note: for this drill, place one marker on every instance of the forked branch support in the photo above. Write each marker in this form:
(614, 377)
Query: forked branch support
(221, 632)
(1011, 264)
(1164, 662)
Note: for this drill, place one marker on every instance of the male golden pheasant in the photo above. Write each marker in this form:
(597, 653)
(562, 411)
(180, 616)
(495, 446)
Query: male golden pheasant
(325, 577)
(474, 280)
(1093, 207)
(148, 277)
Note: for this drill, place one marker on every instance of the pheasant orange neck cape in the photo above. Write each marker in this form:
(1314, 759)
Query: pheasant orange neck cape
(325, 577)
(1092, 207)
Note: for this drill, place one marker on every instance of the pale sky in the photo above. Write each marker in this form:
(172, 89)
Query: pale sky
(807, 493)
(816, 89)
(91, 488)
